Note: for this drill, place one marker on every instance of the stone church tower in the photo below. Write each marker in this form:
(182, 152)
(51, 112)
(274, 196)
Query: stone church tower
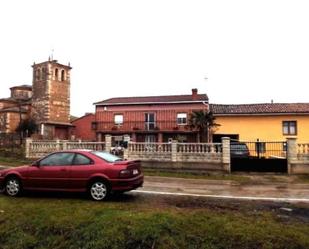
(51, 99)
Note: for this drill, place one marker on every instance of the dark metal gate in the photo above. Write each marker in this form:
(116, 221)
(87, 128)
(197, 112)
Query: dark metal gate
(259, 156)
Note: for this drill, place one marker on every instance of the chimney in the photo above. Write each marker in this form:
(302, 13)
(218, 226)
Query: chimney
(194, 94)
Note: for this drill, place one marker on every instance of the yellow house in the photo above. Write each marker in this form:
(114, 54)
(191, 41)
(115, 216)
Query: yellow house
(266, 122)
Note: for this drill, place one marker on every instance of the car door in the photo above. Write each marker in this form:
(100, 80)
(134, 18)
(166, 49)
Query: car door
(52, 172)
(80, 171)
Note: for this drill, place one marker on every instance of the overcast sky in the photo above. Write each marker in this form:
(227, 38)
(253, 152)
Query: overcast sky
(249, 51)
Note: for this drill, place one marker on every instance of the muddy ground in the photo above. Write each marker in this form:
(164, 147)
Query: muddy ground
(287, 212)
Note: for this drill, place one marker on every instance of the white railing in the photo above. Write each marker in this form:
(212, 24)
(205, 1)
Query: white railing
(168, 152)
(85, 145)
(199, 147)
(175, 152)
(303, 148)
(37, 149)
(149, 147)
(303, 152)
(43, 147)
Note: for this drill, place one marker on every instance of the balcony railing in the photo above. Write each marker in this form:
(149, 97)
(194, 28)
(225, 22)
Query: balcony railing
(142, 126)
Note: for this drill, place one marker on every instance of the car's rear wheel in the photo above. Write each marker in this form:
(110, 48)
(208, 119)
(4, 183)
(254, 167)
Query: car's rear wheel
(98, 190)
(13, 186)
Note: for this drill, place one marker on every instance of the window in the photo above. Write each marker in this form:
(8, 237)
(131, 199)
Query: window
(62, 75)
(289, 127)
(57, 159)
(56, 74)
(43, 74)
(38, 74)
(94, 125)
(150, 121)
(81, 160)
(118, 119)
(181, 118)
(106, 156)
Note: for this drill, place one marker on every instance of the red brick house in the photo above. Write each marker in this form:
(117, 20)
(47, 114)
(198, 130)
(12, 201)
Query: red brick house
(15, 108)
(149, 119)
(83, 128)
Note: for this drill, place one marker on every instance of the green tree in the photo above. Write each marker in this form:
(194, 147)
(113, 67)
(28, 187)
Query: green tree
(204, 122)
(27, 127)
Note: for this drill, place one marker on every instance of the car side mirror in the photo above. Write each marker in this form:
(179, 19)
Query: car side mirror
(36, 164)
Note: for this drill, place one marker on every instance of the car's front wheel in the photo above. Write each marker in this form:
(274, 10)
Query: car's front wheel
(98, 190)
(13, 186)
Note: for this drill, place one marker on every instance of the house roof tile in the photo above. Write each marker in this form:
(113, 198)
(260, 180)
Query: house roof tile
(153, 99)
(27, 87)
(267, 108)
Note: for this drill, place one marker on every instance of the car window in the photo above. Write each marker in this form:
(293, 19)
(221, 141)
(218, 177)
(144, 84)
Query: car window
(62, 158)
(81, 160)
(239, 147)
(107, 156)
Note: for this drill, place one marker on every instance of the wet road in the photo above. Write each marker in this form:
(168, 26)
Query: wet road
(259, 190)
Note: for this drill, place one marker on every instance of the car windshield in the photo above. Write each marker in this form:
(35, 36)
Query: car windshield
(107, 156)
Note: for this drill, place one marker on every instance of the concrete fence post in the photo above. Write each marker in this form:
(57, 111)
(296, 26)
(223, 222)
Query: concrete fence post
(174, 150)
(291, 153)
(226, 154)
(58, 145)
(28, 144)
(126, 151)
(64, 145)
(126, 140)
(108, 143)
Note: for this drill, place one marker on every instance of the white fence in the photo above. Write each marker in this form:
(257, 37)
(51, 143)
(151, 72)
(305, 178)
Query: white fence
(175, 152)
(303, 151)
(150, 147)
(210, 155)
(37, 149)
(149, 151)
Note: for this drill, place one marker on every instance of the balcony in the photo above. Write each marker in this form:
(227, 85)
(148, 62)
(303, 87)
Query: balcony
(140, 126)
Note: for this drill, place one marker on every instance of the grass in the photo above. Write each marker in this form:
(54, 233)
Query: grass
(143, 222)
(10, 161)
(197, 175)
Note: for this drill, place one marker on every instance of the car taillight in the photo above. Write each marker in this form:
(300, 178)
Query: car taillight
(125, 173)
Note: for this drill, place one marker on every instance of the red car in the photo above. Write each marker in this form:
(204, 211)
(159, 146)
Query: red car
(96, 172)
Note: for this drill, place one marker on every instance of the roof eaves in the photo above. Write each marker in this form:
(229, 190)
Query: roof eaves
(152, 102)
(262, 114)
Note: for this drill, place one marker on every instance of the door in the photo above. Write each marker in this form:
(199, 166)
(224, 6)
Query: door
(81, 170)
(150, 141)
(61, 133)
(52, 172)
(150, 122)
